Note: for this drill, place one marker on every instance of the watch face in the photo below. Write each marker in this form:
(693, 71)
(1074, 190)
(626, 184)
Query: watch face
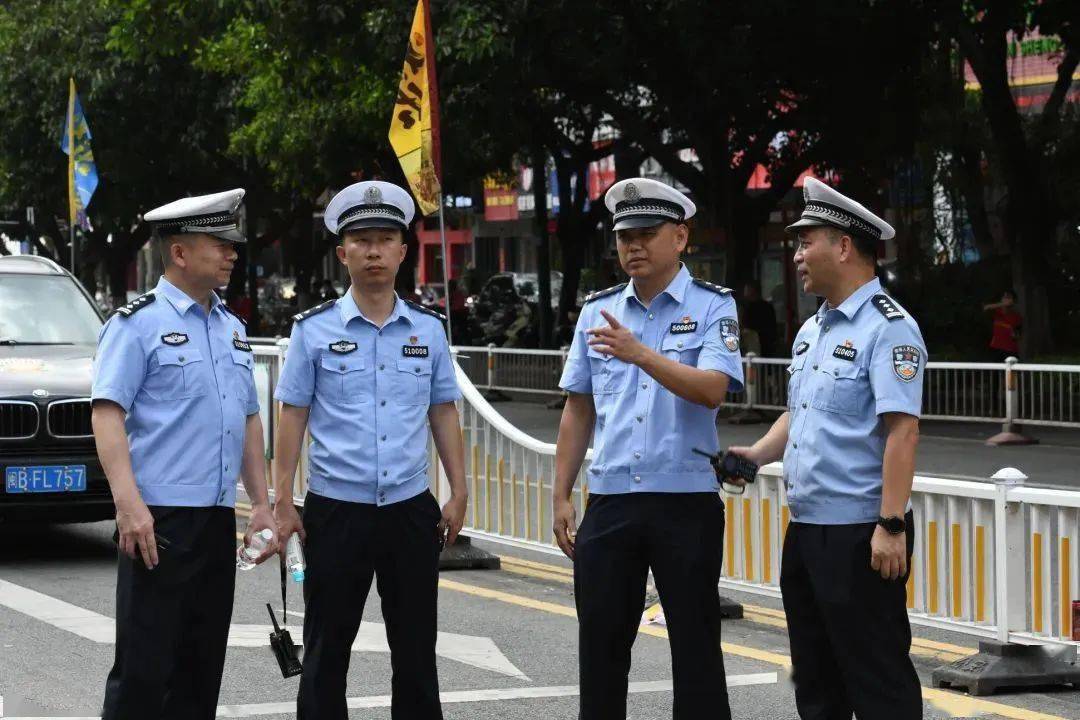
(893, 525)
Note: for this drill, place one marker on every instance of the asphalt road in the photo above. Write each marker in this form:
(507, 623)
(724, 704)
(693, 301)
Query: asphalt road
(955, 450)
(510, 651)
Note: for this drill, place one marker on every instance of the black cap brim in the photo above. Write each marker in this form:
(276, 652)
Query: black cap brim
(384, 223)
(233, 235)
(631, 223)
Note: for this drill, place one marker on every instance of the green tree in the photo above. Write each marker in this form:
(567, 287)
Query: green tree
(1024, 147)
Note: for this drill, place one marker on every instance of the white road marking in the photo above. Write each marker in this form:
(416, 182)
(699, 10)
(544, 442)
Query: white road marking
(460, 696)
(479, 652)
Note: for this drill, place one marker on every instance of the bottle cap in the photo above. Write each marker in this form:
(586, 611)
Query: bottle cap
(266, 534)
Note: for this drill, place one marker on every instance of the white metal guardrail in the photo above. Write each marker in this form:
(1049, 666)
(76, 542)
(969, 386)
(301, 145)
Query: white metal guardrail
(1009, 393)
(992, 559)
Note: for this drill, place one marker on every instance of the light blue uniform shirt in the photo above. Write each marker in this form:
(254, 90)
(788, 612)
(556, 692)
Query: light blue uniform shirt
(849, 365)
(644, 433)
(369, 390)
(185, 380)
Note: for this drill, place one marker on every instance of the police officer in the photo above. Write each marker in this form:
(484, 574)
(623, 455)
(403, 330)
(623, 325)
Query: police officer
(848, 443)
(367, 373)
(176, 422)
(650, 362)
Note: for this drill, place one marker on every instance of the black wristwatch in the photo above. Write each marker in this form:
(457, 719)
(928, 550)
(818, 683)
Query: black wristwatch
(893, 525)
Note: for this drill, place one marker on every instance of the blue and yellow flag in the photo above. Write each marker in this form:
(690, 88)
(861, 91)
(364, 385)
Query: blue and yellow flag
(82, 172)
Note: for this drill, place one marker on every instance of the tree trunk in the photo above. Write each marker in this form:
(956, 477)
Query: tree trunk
(1030, 273)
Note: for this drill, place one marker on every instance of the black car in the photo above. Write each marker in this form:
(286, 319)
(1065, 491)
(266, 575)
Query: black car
(48, 334)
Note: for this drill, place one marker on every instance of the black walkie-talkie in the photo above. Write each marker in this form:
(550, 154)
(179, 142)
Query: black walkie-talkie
(281, 642)
(284, 649)
(730, 465)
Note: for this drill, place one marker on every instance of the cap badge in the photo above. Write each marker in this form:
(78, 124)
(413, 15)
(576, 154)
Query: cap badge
(631, 193)
(373, 195)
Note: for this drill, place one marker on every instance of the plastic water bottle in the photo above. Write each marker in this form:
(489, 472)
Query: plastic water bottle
(294, 558)
(247, 554)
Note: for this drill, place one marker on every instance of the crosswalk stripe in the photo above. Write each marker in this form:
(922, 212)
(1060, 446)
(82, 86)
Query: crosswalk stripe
(459, 696)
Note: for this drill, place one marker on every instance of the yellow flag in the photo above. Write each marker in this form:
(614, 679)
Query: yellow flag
(410, 127)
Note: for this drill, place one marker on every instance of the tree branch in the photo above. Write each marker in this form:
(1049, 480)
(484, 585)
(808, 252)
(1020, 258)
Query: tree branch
(1051, 114)
(667, 155)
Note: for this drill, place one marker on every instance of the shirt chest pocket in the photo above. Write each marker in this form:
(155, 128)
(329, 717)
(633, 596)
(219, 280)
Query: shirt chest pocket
(845, 390)
(176, 374)
(243, 365)
(609, 374)
(414, 381)
(344, 380)
(684, 348)
(796, 373)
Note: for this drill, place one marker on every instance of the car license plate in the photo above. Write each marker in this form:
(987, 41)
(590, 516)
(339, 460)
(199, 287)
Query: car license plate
(45, 478)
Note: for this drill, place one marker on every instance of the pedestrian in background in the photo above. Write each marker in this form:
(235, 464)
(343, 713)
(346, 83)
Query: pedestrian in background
(1005, 335)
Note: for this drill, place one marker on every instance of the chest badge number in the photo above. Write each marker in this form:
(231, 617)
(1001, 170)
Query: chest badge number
(174, 338)
(686, 325)
(341, 347)
(845, 351)
(240, 344)
(414, 350)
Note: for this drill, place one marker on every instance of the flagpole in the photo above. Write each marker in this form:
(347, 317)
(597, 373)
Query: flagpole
(445, 269)
(71, 171)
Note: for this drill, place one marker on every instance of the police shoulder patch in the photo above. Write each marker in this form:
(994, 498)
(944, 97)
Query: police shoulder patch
(729, 333)
(299, 317)
(603, 293)
(427, 311)
(906, 361)
(718, 289)
(885, 305)
(136, 305)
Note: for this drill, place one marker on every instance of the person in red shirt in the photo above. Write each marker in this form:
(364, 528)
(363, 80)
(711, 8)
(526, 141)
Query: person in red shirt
(1005, 339)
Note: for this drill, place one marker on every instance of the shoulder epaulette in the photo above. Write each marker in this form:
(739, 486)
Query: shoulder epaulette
(718, 289)
(233, 313)
(603, 293)
(427, 311)
(298, 317)
(886, 307)
(136, 305)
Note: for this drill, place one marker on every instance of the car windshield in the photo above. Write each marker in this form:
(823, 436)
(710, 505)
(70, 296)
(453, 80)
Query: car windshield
(45, 309)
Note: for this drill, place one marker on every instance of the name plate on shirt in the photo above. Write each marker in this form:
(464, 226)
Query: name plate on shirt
(44, 478)
(686, 326)
(414, 350)
(845, 352)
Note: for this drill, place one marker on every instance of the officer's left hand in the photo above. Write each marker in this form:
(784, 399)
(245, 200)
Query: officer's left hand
(616, 340)
(262, 519)
(888, 553)
(453, 517)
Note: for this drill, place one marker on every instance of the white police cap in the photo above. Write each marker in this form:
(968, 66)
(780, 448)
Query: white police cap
(372, 203)
(825, 206)
(216, 214)
(641, 202)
